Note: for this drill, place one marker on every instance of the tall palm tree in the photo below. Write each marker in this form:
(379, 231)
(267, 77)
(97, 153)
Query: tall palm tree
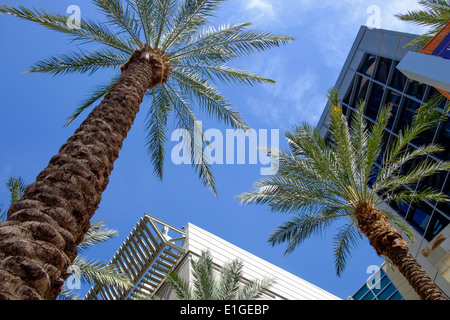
(88, 271)
(435, 15)
(322, 183)
(230, 284)
(165, 51)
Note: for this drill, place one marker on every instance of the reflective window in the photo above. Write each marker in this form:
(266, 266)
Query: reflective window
(384, 65)
(408, 111)
(412, 163)
(396, 296)
(435, 181)
(401, 208)
(416, 89)
(425, 137)
(348, 94)
(437, 224)
(373, 174)
(384, 146)
(432, 92)
(393, 99)
(374, 101)
(362, 85)
(378, 287)
(369, 296)
(387, 292)
(361, 292)
(445, 206)
(419, 216)
(344, 110)
(443, 140)
(367, 65)
(398, 79)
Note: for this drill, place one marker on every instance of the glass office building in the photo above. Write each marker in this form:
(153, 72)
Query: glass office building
(378, 287)
(370, 75)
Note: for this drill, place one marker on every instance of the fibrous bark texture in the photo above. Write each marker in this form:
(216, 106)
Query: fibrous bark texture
(38, 242)
(387, 241)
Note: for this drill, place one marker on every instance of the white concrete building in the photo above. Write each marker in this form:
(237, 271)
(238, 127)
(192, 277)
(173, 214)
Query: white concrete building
(154, 247)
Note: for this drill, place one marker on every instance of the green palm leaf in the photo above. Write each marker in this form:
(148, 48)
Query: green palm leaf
(80, 62)
(435, 15)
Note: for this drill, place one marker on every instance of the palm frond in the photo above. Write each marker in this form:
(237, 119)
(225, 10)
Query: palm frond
(67, 294)
(312, 150)
(208, 98)
(16, 187)
(228, 41)
(156, 125)
(2, 213)
(435, 15)
(163, 10)
(89, 30)
(203, 273)
(95, 272)
(427, 117)
(302, 226)
(390, 170)
(254, 290)
(227, 74)
(360, 143)
(420, 195)
(230, 278)
(190, 16)
(80, 62)
(188, 121)
(144, 10)
(96, 234)
(121, 17)
(180, 286)
(345, 240)
(95, 96)
(345, 157)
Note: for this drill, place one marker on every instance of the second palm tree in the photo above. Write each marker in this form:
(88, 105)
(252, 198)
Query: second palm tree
(322, 183)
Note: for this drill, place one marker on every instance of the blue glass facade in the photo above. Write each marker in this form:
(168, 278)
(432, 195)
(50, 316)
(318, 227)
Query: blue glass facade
(378, 287)
(378, 82)
(370, 74)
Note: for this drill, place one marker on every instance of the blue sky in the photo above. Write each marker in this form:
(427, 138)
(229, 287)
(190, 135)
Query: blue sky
(34, 108)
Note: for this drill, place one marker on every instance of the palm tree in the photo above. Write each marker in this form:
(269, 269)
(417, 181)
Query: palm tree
(322, 183)
(435, 15)
(165, 51)
(229, 286)
(92, 271)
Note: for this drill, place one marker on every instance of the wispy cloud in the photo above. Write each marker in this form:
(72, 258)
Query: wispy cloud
(297, 97)
(325, 31)
(260, 9)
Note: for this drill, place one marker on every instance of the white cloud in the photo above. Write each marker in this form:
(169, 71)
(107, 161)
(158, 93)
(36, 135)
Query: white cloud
(325, 31)
(296, 99)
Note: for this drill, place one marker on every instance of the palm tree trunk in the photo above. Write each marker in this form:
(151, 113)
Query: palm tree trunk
(39, 239)
(387, 241)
